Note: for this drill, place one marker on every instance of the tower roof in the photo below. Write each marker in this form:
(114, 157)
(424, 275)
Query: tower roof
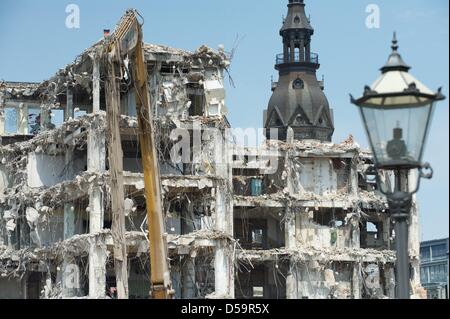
(296, 18)
(395, 61)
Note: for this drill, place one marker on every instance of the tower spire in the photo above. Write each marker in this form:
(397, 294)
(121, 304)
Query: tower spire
(394, 42)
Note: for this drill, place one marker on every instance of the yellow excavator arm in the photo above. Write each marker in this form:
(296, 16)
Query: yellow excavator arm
(128, 40)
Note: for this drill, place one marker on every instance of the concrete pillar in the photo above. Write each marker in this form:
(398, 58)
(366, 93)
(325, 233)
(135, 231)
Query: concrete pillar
(353, 178)
(69, 210)
(97, 248)
(45, 117)
(96, 158)
(22, 119)
(224, 267)
(389, 274)
(69, 104)
(95, 84)
(291, 244)
(69, 221)
(302, 222)
(292, 281)
(414, 235)
(356, 281)
(224, 270)
(224, 259)
(355, 232)
(96, 150)
(290, 183)
(96, 155)
(387, 231)
(97, 267)
(96, 210)
(68, 277)
(290, 229)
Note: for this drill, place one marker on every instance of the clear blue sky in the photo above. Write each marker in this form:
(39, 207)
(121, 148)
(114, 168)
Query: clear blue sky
(35, 43)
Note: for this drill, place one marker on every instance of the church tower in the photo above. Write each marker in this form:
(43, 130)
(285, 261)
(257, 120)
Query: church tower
(298, 100)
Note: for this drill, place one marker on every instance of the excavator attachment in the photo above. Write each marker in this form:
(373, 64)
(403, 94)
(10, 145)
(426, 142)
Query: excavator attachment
(127, 40)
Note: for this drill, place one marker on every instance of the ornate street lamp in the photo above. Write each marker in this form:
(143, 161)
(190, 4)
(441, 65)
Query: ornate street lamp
(397, 111)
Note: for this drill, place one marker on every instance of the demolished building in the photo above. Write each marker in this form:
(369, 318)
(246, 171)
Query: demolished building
(295, 218)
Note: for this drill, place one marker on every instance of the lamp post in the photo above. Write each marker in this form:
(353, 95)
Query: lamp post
(397, 111)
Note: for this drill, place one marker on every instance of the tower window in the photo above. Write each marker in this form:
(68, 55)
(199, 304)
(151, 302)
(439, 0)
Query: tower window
(296, 19)
(298, 84)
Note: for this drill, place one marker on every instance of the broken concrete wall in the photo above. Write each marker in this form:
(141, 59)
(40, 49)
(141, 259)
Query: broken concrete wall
(186, 84)
(333, 233)
(47, 170)
(331, 281)
(317, 176)
(214, 93)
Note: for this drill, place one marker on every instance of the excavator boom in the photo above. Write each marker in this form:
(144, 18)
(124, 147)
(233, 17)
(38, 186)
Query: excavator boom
(128, 39)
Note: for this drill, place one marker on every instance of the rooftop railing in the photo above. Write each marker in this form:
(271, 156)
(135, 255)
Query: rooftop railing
(313, 59)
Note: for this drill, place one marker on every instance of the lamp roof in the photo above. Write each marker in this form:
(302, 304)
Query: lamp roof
(395, 60)
(396, 87)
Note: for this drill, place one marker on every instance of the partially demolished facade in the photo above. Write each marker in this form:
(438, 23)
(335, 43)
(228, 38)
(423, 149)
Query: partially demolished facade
(55, 209)
(291, 219)
(317, 227)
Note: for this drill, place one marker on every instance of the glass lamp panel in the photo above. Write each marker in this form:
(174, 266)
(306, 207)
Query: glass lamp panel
(402, 100)
(397, 135)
